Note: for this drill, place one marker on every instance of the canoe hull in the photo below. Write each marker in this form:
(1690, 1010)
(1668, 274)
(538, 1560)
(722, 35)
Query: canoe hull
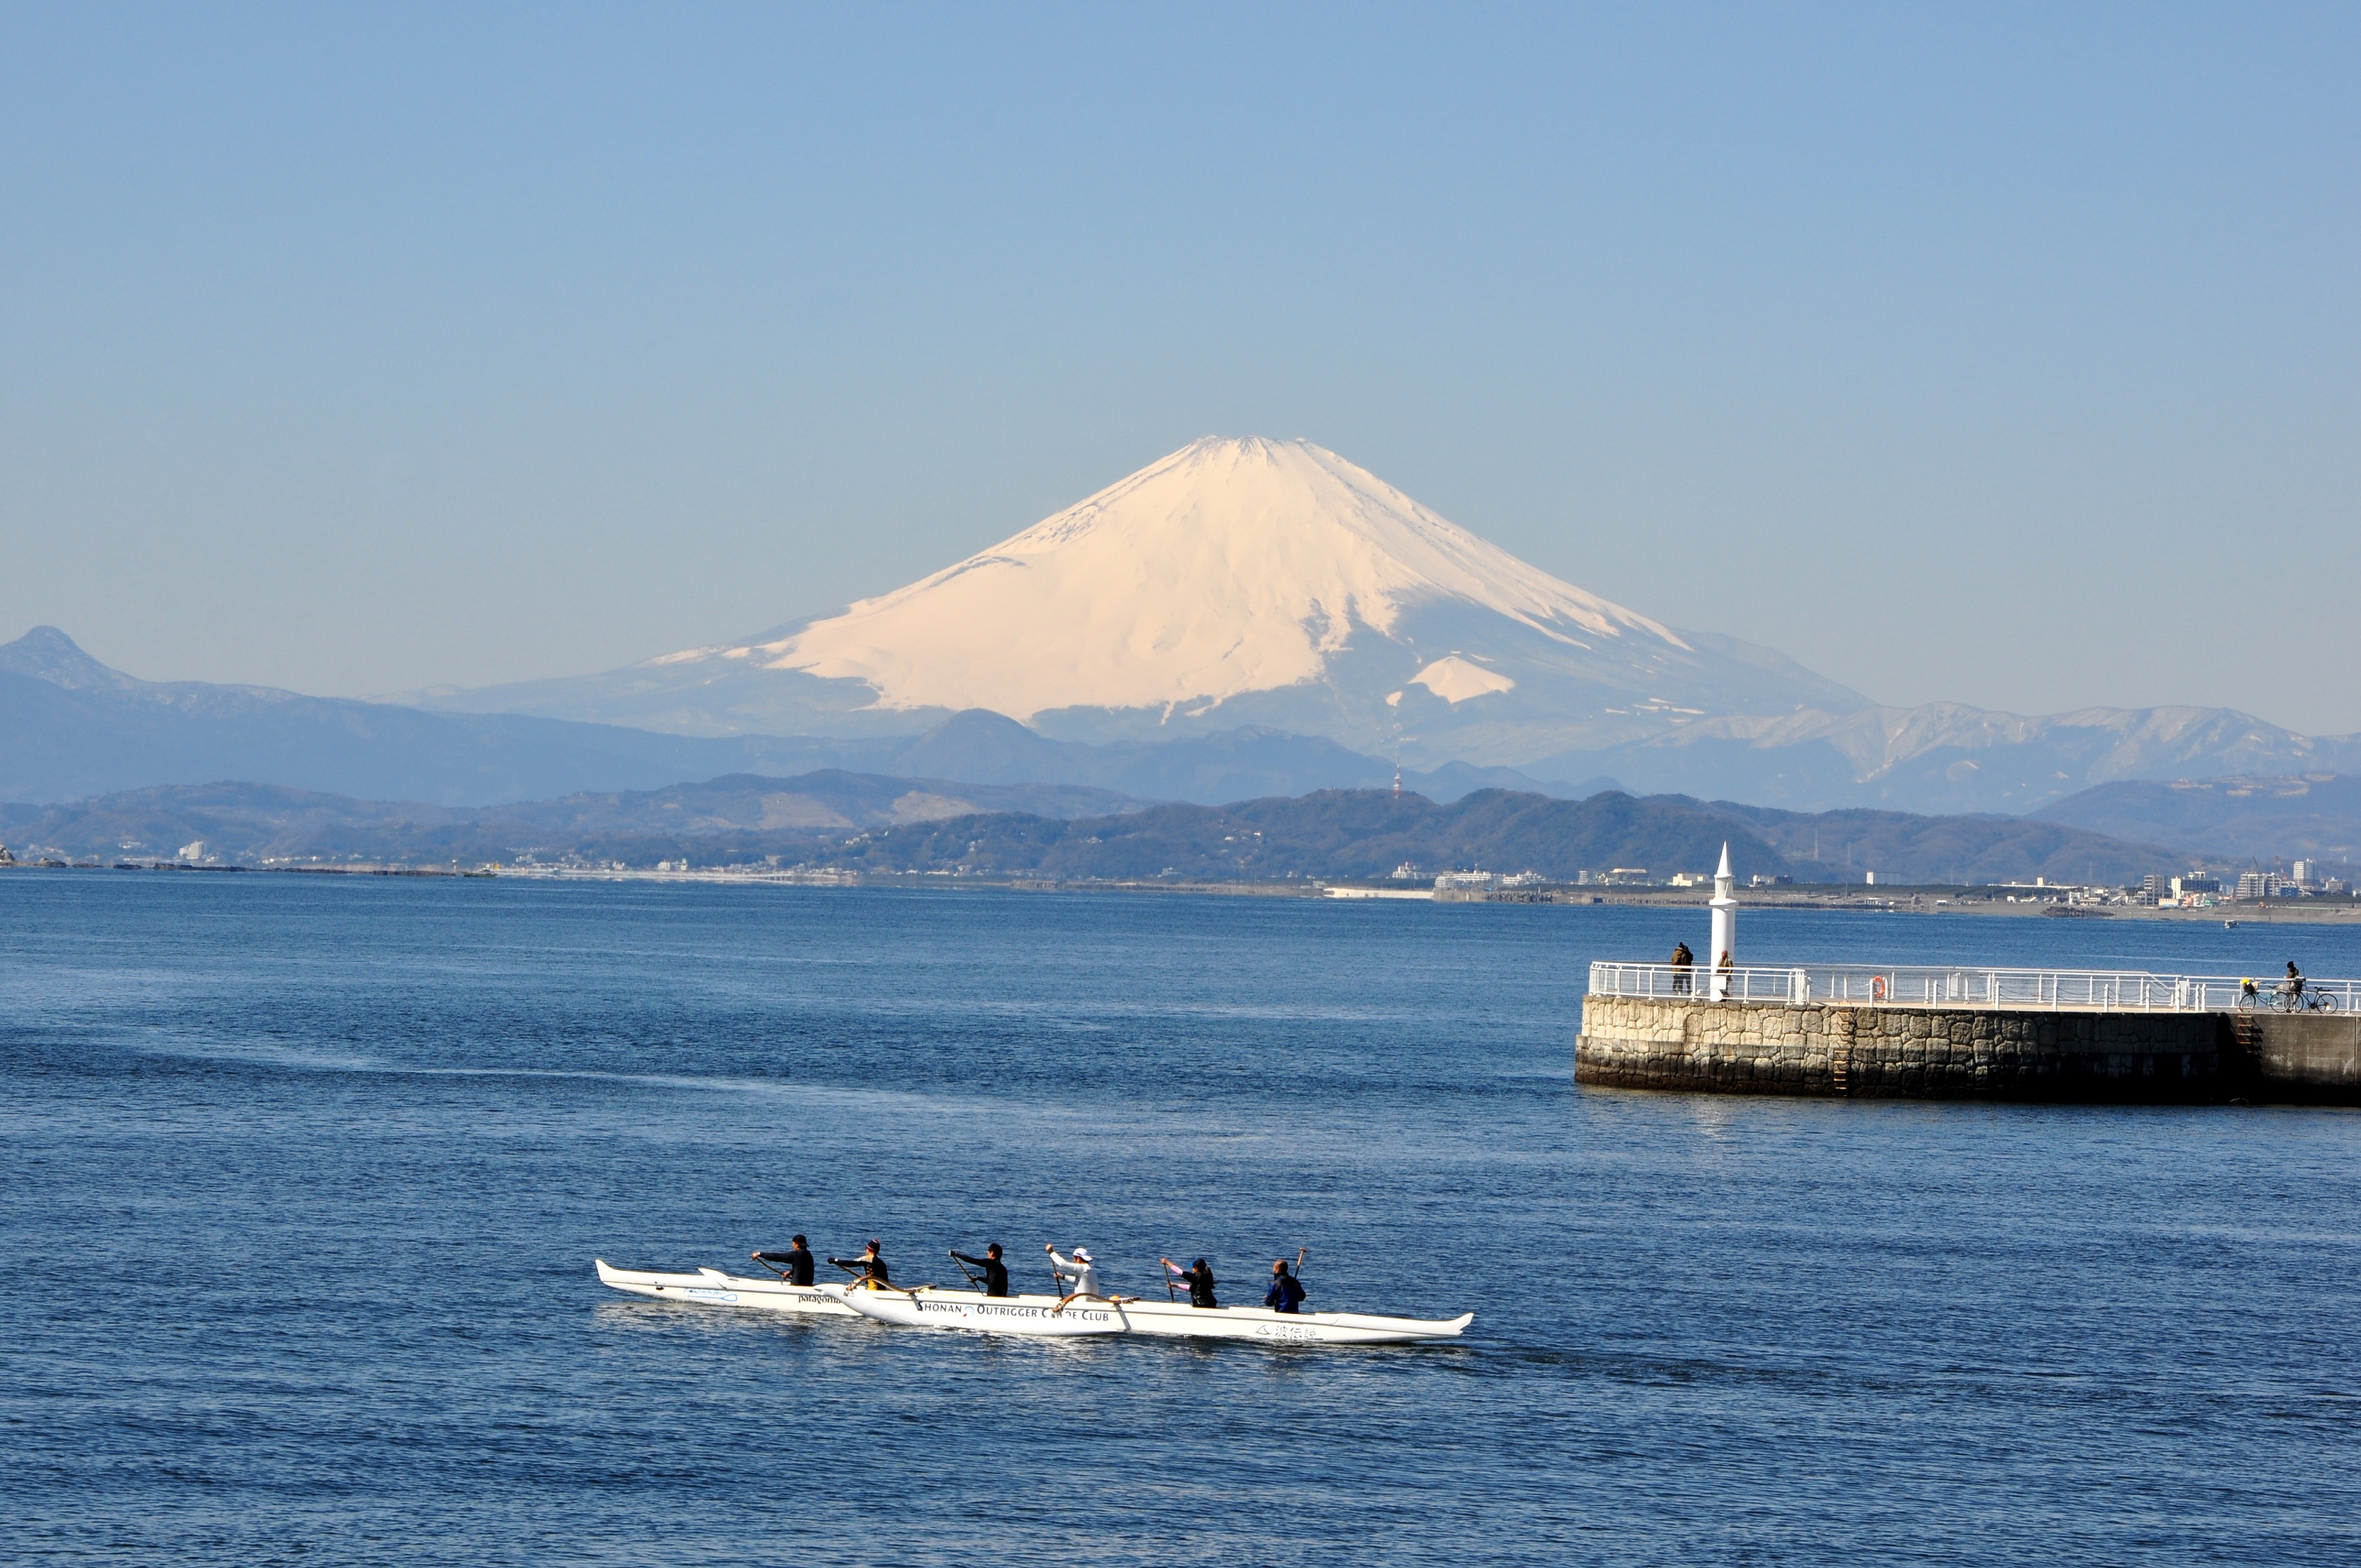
(1260, 1325)
(711, 1287)
(925, 1308)
(928, 1308)
(1037, 1316)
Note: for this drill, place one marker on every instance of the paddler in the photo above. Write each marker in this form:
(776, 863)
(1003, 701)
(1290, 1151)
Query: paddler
(1285, 1293)
(869, 1265)
(1079, 1269)
(797, 1259)
(1198, 1277)
(996, 1273)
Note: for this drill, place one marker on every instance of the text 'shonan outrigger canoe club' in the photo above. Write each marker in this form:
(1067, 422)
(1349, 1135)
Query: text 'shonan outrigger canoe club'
(1191, 1308)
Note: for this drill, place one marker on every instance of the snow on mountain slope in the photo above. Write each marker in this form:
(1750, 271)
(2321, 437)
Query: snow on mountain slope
(1229, 566)
(1235, 583)
(1455, 680)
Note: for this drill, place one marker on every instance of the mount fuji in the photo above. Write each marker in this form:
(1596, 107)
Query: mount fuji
(1234, 583)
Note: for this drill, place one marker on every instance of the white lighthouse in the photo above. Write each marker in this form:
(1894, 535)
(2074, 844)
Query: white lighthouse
(1725, 926)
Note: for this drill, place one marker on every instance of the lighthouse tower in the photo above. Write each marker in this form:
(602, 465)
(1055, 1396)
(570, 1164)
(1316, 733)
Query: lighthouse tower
(1725, 924)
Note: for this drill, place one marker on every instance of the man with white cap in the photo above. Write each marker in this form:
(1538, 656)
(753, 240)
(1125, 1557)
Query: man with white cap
(1078, 1269)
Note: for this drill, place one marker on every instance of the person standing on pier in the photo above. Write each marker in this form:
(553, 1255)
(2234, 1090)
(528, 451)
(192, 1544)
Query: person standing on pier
(1682, 959)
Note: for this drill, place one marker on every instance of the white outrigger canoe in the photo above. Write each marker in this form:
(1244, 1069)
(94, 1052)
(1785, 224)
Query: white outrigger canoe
(930, 1307)
(712, 1288)
(926, 1307)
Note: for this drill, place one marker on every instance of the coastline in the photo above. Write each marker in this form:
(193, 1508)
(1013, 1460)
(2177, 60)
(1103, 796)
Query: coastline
(1844, 899)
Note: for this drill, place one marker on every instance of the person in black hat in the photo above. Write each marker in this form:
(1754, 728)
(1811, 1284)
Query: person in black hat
(797, 1260)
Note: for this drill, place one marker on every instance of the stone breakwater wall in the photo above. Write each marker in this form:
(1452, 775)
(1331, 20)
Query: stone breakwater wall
(1936, 1053)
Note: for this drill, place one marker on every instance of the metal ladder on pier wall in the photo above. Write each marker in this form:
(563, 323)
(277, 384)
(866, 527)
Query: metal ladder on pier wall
(1840, 1059)
(2246, 1030)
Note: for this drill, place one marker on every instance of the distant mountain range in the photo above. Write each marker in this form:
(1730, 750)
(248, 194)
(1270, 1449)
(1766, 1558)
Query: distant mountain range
(1241, 619)
(1234, 583)
(246, 824)
(1340, 833)
(1944, 757)
(75, 727)
(868, 822)
(2256, 817)
(1274, 585)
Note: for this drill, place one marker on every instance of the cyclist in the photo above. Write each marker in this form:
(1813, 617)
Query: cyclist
(2292, 987)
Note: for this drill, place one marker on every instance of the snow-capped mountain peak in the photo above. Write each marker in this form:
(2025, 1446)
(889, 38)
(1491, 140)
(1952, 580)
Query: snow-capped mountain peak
(1230, 566)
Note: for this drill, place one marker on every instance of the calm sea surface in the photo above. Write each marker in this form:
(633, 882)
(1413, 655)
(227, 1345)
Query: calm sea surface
(301, 1179)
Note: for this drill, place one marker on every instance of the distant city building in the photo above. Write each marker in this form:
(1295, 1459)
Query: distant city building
(2303, 872)
(2253, 885)
(1475, 878)
(2196, 882)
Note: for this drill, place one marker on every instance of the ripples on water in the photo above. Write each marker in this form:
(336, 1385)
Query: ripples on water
(303, 1176)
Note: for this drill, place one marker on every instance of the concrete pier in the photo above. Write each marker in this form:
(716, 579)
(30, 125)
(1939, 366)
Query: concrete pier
(1695, 1044)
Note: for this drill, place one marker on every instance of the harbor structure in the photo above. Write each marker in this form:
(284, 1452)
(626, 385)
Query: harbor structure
(1725, 923)
(1962, 1032)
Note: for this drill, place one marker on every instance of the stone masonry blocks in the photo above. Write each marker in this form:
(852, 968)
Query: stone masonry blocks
(1689, 1043)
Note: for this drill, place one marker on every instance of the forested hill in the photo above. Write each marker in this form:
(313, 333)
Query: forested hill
(1369, 833)
(862, 822)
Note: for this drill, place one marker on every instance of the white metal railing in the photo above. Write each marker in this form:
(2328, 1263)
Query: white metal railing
(1931, 985)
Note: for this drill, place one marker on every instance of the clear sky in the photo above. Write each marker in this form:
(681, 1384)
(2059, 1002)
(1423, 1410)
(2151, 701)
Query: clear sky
(2009, 356)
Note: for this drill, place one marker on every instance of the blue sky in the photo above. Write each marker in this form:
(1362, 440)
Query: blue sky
(2005, 356)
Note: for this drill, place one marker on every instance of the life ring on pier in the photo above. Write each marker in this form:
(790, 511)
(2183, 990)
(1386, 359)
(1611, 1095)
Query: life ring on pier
(1877, 989)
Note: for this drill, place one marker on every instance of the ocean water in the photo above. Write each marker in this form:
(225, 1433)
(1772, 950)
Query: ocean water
(301, 1179)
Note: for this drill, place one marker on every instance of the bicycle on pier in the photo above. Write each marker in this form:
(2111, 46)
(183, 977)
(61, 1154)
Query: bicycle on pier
(2290, 995)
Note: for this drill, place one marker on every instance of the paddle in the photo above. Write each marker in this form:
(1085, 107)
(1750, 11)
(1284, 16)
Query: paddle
(971, 1279)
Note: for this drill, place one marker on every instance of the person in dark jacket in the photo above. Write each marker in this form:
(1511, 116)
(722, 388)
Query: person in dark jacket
(1682, 959)
(869, 1265)
(797, 1260)
(1285, 1293)
(996, 1273)
(1198, 1277)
